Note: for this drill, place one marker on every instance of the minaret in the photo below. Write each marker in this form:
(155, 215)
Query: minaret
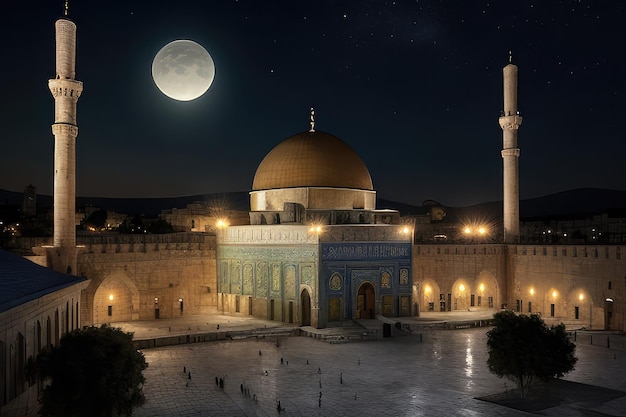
(65, 90)
(510, 121)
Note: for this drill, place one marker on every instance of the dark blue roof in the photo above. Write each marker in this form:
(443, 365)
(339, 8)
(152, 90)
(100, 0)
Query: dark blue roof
(22, 280)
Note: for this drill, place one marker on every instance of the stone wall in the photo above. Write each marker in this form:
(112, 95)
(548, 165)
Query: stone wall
(581, 286)
(140, 279)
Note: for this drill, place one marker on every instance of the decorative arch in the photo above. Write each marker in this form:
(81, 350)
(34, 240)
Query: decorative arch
(305, 307)
(366, 301)
(581, 305)
(461, 294)
(430, 296)
(486, 290)
(116, 299)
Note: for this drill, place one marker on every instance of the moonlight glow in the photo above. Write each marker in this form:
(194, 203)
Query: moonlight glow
(183, 70)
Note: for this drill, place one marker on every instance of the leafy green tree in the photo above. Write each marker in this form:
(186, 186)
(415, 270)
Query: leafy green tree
(523, 349)
(95, 371)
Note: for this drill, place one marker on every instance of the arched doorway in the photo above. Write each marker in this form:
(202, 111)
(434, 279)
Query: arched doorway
(366, 302)
(115, 300)
(431, 297)
(305, 308)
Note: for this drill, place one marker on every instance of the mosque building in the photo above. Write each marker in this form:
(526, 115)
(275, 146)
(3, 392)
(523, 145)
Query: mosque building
(313, 251)
(317, 251)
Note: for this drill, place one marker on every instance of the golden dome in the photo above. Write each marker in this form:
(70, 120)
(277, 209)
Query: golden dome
(312, 159)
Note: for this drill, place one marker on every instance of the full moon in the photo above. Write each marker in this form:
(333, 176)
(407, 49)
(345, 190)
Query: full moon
(183, 70)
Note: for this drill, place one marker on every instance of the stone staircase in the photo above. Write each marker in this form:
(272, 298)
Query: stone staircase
(348, 331)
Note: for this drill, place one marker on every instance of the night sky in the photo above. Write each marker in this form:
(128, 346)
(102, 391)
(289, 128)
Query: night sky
(415, 87)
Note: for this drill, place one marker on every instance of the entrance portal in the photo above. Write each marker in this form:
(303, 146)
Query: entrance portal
(366, 302)
(305, 305)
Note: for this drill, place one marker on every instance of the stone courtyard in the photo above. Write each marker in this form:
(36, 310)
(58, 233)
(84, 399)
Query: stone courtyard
(441, 372)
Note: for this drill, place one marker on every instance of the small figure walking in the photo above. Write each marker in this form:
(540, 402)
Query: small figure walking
(354, 397)
(184, 369)
(241, 388)
(341, 377)
(259, 353)
(281, 361)
(218, 327)
(189, 374)
(217, 381)
(278, 407)
(319, 370)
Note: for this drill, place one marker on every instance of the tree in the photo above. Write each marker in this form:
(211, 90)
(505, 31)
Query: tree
(523, 349)
(95, 371)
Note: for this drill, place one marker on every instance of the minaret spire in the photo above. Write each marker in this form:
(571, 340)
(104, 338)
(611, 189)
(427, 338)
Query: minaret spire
(510, 122)
(65, 90)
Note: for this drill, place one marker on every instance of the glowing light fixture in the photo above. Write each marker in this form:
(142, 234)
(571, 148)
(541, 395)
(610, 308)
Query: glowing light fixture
(111, 297)
(462, 287)
(554, 294)
(482, 287)
(315, 228)
(581, 297)
(221, 223)
(532, 291)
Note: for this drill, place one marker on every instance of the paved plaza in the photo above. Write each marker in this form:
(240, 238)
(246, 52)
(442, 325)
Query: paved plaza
(441, 375)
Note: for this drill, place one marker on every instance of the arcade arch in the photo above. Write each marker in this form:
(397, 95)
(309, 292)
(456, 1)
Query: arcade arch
(305, 307)
(486, 291)
(581, 305)
(115, 299)
(461, 291)
(366, 301)
(430, 296)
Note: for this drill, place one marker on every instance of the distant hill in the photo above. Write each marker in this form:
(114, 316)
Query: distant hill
(581, 201)
(149, 207)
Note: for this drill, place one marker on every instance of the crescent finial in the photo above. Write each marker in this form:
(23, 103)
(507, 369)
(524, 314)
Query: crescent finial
(312, 122)
(510, 57)
(66, 8)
